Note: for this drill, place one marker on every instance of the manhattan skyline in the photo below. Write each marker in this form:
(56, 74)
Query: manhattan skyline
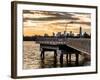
(41, 22)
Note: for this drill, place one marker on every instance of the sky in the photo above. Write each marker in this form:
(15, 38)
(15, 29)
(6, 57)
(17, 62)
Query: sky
(37, 22)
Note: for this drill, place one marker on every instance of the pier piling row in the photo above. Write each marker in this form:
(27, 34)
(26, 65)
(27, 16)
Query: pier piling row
(64, 49)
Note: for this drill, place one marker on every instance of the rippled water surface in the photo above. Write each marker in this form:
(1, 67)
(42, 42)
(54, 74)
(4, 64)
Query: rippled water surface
(32, 58)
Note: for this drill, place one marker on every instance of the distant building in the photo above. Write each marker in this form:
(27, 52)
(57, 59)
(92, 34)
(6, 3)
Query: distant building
(58, 34)
(64, 33)
(46, 35)
(68, 34)
(71, 34)
(86, 35)
(80, 32)
(78, 35)
(53, 34)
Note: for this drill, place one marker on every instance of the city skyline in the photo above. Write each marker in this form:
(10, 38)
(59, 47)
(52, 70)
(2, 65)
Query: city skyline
(41, 22)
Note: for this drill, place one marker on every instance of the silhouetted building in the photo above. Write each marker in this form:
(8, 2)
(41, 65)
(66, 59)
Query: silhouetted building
(80, 32)
(68, 34)
(71, 34)
(46, 35)
(85, 35)
(78, 35)
(58, 34)
(53, 34)
(64, 33)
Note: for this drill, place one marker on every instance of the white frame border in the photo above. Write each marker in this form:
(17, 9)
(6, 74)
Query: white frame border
(21, 72)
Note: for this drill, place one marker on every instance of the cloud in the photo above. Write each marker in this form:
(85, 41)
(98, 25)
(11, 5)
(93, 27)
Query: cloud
(48, 16)
(86, 23)
(73, 22)
(45, 16)
(38, 22)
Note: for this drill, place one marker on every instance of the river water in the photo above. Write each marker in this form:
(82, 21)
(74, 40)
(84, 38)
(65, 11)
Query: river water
(32, 60)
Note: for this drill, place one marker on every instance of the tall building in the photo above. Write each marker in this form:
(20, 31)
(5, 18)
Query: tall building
(64, 33)
(53, 34)
(71, 34)
(58, 34)
(80, 32)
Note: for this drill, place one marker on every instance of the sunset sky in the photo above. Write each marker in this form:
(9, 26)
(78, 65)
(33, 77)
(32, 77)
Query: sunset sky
(41, 22)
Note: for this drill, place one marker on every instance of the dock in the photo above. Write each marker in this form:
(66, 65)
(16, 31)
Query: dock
(62, 46)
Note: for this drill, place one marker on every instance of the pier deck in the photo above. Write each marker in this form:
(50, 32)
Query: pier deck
(80, 44)
(67, 46)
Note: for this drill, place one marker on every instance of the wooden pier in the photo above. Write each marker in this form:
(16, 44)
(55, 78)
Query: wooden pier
(77, 46)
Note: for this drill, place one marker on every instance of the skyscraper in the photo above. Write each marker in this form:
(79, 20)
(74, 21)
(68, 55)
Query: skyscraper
(64, 33)
(80, 31)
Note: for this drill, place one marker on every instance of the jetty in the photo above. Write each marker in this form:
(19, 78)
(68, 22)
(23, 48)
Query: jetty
(63, 46)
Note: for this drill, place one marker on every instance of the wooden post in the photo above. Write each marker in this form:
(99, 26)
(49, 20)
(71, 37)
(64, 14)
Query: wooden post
(70, 58)
(42, 54)
(55, 55)
(55, 58)
(61, 59)
(67, 58)
(42, 64)
(77, 58)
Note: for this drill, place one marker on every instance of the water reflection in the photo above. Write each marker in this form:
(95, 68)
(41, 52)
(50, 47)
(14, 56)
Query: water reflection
(57, 64)
(32, 58)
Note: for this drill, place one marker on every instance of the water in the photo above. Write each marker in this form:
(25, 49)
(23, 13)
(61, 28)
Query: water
(32, 59)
